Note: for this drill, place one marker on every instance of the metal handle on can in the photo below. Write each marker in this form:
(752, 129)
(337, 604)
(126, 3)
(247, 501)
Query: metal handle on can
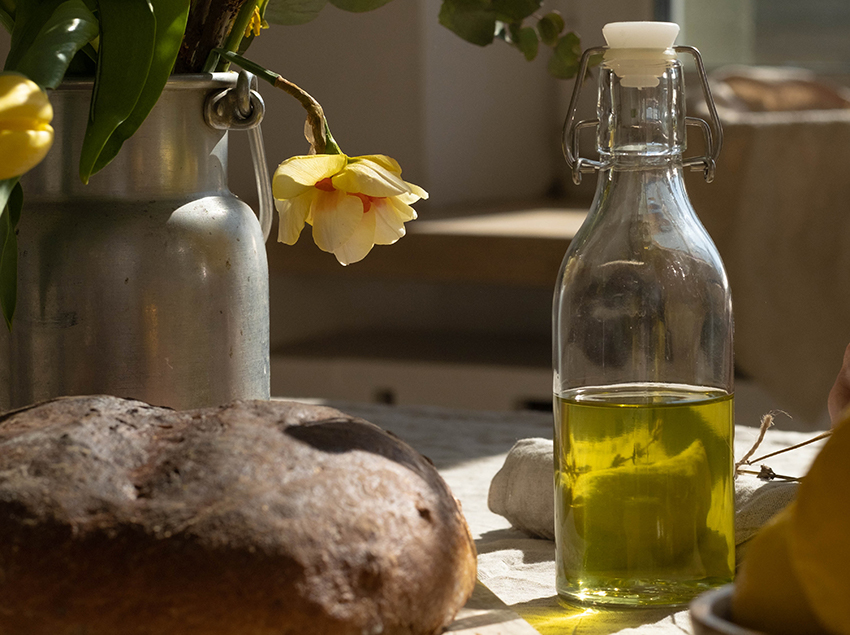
(713, 133)
(242, 108)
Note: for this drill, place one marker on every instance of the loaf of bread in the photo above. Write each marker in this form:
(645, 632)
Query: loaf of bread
(254, 518)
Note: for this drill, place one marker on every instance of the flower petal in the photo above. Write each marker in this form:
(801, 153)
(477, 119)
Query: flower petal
(389, 225)
(366, 177)
(22, 99)
(335, 218)
(416, 191)
(388, 163)
(293, 214)
(404, 211)
(361, 242)
(25, 132)
(296, 174)
(22, 150)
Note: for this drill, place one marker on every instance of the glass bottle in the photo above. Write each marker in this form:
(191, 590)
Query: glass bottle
(642, 351)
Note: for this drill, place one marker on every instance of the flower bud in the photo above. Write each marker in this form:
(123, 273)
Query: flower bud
(25, 131)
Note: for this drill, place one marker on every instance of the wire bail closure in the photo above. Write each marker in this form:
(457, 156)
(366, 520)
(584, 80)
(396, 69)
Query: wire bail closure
(713, 134)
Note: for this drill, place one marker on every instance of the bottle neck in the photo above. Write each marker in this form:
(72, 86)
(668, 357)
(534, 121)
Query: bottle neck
(644, 123)
(645, 189)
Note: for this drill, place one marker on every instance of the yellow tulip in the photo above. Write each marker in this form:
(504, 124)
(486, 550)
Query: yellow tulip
(25, 132)
(353, 203)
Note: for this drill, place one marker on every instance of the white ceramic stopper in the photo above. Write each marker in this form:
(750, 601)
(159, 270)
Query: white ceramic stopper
(640, 35)
(638, 51)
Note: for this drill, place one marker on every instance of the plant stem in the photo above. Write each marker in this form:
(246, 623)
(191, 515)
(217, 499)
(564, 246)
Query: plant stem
(237, 33)
(322, 141)
(209, 25)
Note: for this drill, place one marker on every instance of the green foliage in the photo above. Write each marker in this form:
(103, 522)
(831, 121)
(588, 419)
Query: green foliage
(67, 30)
(293, 12)
(527, 41)
(564, 63)
(125, 52)
(170, 23)
(11, 201)
(513, 11)
(7, 19)
(480, 22)
(549, 27)
(472, 20)
(30, 17)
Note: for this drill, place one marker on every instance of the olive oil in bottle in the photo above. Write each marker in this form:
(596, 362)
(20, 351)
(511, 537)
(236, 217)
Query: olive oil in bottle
(644, 479)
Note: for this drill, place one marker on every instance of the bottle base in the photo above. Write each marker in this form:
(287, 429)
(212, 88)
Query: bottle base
(637, 593)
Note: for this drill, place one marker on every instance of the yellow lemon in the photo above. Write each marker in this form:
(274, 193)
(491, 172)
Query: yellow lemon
(820, 548)
(25, 132)
(768, 594)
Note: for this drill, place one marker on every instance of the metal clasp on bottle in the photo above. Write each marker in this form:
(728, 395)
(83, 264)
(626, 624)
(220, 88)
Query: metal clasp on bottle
(242, 108)
(713, 134)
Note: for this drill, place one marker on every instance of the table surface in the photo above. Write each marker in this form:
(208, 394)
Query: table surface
(468, 448)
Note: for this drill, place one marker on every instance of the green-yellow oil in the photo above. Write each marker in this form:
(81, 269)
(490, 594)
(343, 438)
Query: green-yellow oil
(644, 503)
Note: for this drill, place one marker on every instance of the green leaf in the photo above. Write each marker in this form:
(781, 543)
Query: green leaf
(527, 42)
(11, 201)
(549, 27)
(68, 29)
(127, 36)
(515, 10)
(565, 59)
(30, 17)
(171, 16)
(84, 63)
(293, 12)
(8, 7)
(7, 20)
(472, 20)
(358, 6)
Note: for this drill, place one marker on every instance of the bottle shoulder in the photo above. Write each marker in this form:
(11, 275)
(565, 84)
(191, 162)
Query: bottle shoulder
(641, 215)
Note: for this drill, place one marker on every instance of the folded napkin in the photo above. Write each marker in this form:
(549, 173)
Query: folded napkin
(523, 491)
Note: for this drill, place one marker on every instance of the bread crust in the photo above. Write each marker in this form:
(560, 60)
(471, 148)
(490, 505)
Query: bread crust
(254, 518)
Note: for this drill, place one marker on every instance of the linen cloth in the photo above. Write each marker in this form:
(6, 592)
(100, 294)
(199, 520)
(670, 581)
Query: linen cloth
(470, 447)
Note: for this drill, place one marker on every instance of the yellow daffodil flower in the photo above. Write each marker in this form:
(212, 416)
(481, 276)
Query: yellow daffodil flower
(25, 132)
(353, 203)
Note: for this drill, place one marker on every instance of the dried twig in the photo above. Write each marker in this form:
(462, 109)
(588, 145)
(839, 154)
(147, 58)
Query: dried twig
(792, 447)
(767, 474)
(766, 424)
